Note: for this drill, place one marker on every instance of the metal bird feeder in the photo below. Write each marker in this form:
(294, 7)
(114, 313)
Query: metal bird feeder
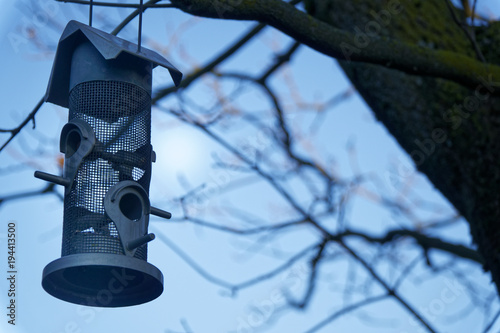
(105, 82)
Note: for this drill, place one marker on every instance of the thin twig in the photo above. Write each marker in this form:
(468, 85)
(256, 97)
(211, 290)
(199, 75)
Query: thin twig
(274, 227)
(269, 178)
(117, 5)
(492, 322)
(407, 270)
(469, 33)
(345, 310)
(233, 287)
(49, 189)
(266, 276)
(192, 263)
(280, 60)
(311, 285)
(389, 290)
(31, 116)
(211, 65)
(286, 140)
(15, 131)
(132, 16)
(185, 325)
(473, 13)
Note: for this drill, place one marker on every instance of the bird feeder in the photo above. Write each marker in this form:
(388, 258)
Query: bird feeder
(105, 82)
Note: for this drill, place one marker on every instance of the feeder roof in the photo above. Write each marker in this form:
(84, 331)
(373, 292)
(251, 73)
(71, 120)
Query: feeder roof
(109, 46)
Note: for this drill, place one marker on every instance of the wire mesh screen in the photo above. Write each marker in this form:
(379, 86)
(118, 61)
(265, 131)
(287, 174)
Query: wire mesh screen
(120, 115)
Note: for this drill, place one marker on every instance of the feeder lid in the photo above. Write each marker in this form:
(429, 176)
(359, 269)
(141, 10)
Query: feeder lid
(109, 46)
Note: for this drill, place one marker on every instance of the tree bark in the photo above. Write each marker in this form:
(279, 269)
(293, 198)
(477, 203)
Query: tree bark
(417, 70)
(451, 132)
(332, 41)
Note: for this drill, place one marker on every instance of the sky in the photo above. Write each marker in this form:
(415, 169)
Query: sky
(184, 159)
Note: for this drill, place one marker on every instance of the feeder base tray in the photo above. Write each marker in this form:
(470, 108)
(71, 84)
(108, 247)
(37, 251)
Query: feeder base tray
(102, 280)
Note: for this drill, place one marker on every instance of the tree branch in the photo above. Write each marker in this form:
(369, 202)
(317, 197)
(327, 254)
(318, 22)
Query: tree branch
(191, 262)
(273, 227)
(15, 131)
(211, 65)
(426, 242)
(345, 310)
(31, 116)
(49, 189)
(469, 33)
(132, 16)
(119, 5)
(390, 291)
(335, 42)
(311, 285)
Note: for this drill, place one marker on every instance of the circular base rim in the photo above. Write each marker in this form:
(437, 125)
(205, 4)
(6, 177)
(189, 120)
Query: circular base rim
(127, 281)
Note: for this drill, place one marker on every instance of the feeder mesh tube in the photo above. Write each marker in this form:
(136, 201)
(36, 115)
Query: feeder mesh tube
(120, 115)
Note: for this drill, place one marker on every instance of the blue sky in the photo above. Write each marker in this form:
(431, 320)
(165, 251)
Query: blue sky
(185, 156)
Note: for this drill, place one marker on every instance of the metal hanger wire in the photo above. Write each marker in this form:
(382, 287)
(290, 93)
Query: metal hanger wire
(139, 38)
(141, 10)
(91, 7)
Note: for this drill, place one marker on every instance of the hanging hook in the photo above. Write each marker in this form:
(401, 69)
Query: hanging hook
(90, 12)
(140, 27)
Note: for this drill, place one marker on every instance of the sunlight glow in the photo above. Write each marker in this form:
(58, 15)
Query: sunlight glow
(177, 151)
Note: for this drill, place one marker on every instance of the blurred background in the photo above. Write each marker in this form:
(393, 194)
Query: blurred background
(255, 157)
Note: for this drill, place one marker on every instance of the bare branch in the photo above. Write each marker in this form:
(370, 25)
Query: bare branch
(426, 242)
(132, 16)
(473, 12)
(117, 5)
(492, 322)
(269, 178)
(274, 227)
(279, 61)
(312, 277)
(299, 255)
(469, 33)
(192, 263)
(49, 189)
(31, 116)
(211, 65)
(286, 140)
(390, 290)
(15, 131)
(347, 309)
(233, 287)
(407, 270)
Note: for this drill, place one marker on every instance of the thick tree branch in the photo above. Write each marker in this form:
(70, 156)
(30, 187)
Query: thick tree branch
(424, 241)
(334, 42)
